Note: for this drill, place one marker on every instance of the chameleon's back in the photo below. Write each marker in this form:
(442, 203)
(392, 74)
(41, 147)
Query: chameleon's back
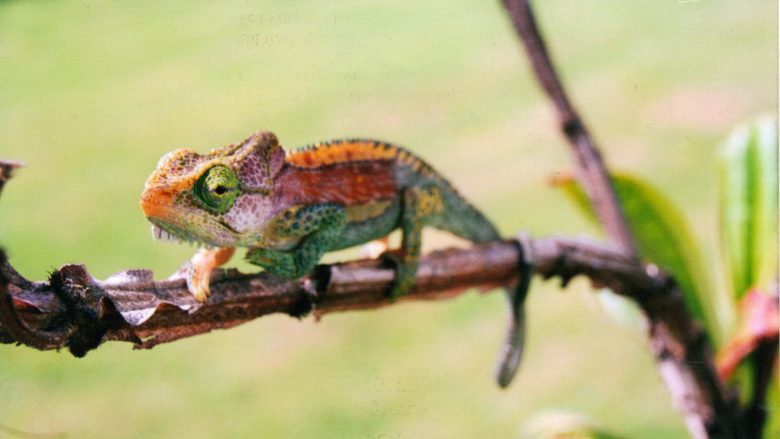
(457, 215)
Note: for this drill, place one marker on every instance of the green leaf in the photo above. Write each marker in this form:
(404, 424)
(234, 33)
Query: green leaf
(663, 238)
(749, 209)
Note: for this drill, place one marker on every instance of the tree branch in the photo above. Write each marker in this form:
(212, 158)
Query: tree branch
(130, 306)
(590, 170)
(74, 310)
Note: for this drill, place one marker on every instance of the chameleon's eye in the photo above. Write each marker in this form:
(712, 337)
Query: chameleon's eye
(218, 188)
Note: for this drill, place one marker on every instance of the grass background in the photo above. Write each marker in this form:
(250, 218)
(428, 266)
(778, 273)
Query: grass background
(93, 93)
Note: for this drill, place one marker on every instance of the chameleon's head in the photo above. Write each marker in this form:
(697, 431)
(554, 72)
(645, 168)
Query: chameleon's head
(195, 197)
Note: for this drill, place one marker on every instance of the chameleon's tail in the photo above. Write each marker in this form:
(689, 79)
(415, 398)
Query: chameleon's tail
(464, 220)
(509, 359)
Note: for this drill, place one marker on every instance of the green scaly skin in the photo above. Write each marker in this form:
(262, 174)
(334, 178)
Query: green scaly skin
(289, 210)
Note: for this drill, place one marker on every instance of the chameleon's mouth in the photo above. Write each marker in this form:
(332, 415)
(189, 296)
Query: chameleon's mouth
(168, 232)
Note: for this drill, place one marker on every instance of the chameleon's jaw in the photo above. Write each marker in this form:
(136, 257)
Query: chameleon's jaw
(157, 205)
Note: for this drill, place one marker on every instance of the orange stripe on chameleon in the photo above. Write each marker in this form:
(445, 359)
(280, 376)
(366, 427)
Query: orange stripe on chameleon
(340, 152)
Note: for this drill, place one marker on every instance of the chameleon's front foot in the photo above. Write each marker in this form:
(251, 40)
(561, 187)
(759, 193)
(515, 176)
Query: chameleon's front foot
(197, 271)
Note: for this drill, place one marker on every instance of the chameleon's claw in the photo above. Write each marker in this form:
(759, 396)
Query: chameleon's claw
(197, 271)
(198, 281)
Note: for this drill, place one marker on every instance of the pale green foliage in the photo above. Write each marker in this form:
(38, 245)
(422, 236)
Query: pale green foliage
(749, 205)
(749, 221)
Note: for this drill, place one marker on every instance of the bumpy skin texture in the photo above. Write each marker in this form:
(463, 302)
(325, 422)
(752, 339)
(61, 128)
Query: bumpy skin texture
(289, 209)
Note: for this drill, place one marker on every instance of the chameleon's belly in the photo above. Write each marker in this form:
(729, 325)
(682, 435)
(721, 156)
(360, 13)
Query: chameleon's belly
(369, 221)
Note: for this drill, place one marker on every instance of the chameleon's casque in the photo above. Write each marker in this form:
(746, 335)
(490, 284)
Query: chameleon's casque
(290, 208)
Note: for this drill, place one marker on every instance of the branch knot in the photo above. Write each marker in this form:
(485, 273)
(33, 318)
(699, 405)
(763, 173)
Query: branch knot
(89, 311)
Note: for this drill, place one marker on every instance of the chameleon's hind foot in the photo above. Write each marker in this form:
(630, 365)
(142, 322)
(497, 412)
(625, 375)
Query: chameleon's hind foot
(403, 282)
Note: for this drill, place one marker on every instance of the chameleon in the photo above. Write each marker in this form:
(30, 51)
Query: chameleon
(288, 208)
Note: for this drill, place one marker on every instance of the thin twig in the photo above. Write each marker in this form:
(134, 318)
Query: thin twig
(7, 168)
(591, 171)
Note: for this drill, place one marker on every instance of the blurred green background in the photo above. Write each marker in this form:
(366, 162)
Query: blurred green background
(93, 93)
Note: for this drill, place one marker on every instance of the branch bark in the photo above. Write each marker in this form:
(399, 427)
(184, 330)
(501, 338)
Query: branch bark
(74, 310)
